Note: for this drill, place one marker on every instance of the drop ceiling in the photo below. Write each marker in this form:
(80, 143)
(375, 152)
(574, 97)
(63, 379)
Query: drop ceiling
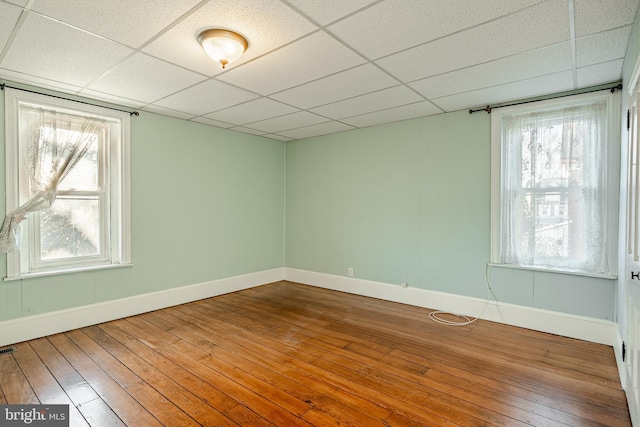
(314, 67)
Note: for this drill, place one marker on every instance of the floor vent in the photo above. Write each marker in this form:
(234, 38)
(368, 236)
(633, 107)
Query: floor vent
(7, 350)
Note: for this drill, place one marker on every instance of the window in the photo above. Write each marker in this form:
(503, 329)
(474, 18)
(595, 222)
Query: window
(554, 185)
(75, 155)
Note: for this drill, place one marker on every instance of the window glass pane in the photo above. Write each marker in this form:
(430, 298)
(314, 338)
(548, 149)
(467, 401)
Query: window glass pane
(70, 228)
(84, 175)
(549, 234)
(552, 152)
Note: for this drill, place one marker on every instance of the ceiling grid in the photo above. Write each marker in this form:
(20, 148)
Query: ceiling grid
(314, 68)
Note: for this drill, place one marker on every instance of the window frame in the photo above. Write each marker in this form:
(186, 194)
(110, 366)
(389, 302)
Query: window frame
(101, 194)
(21, 263)
(612, 176)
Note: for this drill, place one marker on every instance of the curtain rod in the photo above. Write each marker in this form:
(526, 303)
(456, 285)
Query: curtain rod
(131, 113)
(488, 108)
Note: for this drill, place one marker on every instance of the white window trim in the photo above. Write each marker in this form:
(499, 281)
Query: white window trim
(120, 159)
(633, 177)
(613, 172)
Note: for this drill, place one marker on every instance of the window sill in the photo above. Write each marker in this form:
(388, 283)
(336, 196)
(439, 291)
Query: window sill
(67, 271)
(549, 270)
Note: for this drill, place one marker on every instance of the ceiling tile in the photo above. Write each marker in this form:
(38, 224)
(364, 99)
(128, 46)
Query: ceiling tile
(206, 97)
(277, 137)
(128, 22)
(307, 59)
(9, 15)
(248, 130)
(210, 122)
(146, 79)
(602, 47)
(267, 25)
(345, 84)
(19, 2)
(544, 25)
(600, 73)
(552, 83)
(326, 11)
(315, 130)
(118, 100)
(382, 29)
(252, 111)
(530, 64)
(404, 112)
(37, 81)
(167, 112)
(66, 54)
(287, 122)
(381, 100)
(592, 16)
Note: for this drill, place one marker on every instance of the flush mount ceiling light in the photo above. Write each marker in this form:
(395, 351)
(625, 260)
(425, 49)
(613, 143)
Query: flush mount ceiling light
(223, 46)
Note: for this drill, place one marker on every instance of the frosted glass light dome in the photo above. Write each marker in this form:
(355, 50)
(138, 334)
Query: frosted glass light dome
(223, 46)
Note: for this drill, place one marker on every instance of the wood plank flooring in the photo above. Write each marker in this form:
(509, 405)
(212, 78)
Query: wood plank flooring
(286, 354)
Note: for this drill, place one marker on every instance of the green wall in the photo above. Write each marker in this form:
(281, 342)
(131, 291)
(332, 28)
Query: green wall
(410, 202)
(402, 202)
(206, 203)
(397, 203)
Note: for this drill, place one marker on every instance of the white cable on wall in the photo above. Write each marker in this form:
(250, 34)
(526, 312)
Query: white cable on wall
(466, 320)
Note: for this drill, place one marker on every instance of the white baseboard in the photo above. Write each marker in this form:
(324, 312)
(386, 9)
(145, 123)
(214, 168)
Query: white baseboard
(568, 325)
(625, 380)
(580, 327)
(25, 328)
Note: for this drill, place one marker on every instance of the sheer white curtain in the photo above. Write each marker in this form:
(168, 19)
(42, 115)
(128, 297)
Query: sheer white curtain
(55, 143)
(554, 189)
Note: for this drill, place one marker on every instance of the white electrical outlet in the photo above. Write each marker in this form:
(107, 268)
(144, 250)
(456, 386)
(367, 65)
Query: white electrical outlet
(404, 284)
(350, 272)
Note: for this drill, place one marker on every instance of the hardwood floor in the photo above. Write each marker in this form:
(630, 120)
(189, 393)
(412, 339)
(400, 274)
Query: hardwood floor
(286, 354)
